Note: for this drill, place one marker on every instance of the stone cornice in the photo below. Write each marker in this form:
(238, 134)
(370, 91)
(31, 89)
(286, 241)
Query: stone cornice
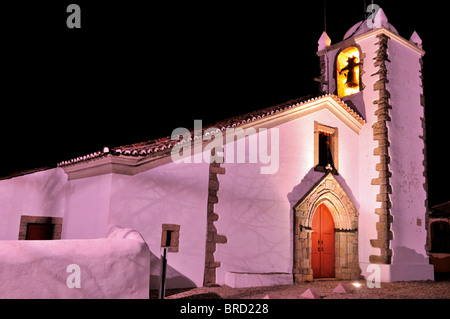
(392, 36)
(373, 33)
(108, 164)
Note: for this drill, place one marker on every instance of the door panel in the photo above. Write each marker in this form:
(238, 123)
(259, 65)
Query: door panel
(328, 255)
(322, 243)
(315, 255)
(315, 243)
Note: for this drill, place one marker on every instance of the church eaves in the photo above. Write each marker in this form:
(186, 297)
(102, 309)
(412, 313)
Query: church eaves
(159, 148)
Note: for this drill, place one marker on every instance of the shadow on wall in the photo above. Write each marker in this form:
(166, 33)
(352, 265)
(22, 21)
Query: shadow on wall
(407, 255)
(300, 190)
(356, 99)
(166, 195)
(174, 278)
(309, 181)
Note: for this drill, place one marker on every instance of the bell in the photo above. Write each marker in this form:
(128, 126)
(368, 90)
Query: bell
(352, 77)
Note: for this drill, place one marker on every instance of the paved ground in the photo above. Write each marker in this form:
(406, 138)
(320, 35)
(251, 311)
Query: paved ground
(398, 290)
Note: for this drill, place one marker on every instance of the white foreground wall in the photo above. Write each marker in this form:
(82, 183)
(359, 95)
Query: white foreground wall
(113, 267)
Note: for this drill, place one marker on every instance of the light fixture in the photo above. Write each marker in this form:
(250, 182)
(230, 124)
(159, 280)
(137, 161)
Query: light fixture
(356, 284)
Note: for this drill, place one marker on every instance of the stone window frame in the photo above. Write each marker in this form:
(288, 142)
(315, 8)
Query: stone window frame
(45, 220)
(174, 237)
(334, 134)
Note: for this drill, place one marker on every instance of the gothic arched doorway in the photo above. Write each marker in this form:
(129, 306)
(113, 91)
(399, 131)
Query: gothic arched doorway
(327, 195)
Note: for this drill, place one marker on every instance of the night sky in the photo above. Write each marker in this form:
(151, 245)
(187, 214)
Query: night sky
(135, 72)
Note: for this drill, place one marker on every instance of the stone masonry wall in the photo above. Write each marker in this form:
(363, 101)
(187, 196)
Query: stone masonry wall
(380, 134)
(212, 237)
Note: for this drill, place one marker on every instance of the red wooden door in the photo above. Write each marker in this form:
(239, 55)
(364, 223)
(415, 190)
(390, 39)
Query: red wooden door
(322, 239)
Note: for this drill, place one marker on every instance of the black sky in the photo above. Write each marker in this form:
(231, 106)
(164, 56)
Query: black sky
(136, 71)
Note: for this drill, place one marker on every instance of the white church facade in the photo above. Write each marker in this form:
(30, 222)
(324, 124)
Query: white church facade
(327, 185)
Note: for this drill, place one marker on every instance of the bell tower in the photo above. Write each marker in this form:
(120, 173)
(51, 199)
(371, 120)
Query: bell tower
(378, 73)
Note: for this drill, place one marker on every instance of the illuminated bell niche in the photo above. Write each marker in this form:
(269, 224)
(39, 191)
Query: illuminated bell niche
(347, 65)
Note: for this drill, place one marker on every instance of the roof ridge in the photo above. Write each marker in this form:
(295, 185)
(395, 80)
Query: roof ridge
(159, 144)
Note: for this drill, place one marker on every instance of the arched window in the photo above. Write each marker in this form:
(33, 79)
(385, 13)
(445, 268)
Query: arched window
(440, 237)
(348, 72)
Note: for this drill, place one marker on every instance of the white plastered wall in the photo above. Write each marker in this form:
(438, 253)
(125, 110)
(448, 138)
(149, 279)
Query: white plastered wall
(168, 194)
(256, 210)
(37, 194)
(406, 151)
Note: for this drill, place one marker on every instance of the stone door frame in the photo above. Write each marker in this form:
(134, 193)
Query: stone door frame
(326, 191)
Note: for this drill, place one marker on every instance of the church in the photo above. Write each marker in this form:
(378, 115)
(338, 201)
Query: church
(318, 187)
